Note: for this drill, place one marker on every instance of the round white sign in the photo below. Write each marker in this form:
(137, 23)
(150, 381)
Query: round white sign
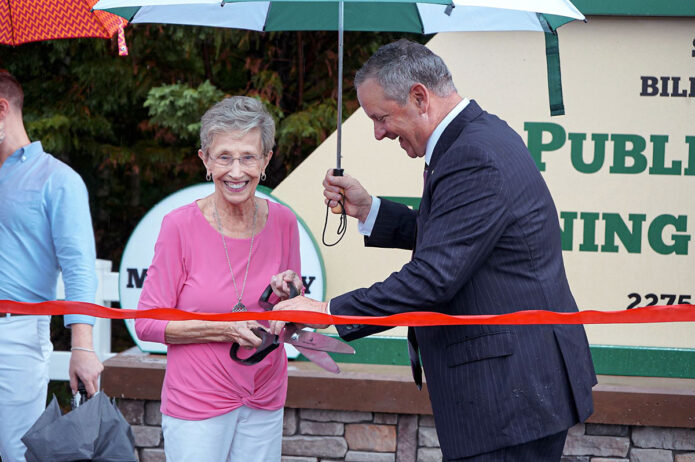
(140, 249)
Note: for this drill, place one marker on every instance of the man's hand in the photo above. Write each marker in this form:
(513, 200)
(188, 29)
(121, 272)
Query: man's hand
(84, 364)
(298, 303)
(356, 200)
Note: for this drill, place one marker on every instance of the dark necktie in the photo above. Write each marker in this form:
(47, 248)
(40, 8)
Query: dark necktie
(413, 349)
(414, 355)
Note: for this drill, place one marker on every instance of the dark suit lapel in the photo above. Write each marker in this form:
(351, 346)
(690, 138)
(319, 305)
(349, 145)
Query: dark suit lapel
(453, 131)
(450, 134)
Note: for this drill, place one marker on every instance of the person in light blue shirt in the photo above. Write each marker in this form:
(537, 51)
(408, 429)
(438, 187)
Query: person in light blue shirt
(45, 229)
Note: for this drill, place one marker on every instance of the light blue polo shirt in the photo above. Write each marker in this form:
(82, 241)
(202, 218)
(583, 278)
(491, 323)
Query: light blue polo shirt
(45, 227)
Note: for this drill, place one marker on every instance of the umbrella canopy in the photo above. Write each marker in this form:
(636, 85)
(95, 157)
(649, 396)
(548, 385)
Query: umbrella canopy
(24, 21)
(419, 16)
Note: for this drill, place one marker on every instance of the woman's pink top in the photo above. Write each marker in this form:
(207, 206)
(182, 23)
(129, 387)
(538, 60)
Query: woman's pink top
(189, 271)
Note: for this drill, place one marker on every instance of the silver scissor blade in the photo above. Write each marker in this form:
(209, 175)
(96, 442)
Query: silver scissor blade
(320, 358)
(316, 341)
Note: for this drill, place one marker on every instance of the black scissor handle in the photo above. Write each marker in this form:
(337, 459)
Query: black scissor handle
(269, 342)
(264, 301)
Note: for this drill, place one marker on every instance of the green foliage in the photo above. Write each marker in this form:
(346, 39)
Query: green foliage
(179, 108)
(308, 127)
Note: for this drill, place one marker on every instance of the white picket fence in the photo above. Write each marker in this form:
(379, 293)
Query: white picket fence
(107, 292)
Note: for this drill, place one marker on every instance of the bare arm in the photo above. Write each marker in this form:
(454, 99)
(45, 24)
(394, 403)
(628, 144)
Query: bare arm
(194, 331)
(84, 364)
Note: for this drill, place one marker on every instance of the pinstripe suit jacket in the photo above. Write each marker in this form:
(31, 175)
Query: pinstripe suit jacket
(487, 241)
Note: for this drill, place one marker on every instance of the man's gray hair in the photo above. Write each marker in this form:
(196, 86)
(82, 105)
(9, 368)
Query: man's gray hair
(400, 65)
(238, 113)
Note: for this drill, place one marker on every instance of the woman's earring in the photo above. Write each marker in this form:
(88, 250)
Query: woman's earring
(208, 176)
(263, 176)
(2, 132)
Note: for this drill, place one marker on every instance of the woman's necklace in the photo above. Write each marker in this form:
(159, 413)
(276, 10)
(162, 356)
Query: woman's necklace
(239, 306)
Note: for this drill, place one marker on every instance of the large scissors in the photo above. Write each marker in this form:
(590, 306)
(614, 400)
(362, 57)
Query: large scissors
(312, 345)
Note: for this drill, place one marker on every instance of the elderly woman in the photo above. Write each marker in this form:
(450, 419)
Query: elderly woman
(217, 255)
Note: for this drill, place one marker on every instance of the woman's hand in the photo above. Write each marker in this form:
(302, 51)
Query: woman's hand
(280, 283)
(196, 331)
(240, 332)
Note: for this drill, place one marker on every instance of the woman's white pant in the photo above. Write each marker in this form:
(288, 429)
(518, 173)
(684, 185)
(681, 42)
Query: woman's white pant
(242, 435)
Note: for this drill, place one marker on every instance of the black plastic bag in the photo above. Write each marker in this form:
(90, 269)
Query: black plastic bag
(94, 430)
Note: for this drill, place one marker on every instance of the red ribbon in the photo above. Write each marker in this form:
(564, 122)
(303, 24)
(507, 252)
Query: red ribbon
(649, 314)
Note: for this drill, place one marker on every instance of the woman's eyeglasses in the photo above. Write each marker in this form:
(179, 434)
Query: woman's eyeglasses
(248, 160)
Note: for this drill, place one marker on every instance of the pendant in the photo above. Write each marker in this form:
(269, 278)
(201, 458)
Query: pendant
(239, 307)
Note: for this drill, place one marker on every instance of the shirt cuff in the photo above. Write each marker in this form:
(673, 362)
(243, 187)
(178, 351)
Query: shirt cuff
(368, 225)
(69, 319)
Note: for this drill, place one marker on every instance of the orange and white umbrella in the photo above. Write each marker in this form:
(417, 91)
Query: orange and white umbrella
(24, 21)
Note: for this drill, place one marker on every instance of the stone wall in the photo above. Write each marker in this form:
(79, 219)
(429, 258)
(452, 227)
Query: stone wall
(314, 435)
(622, 443)
(373, 412)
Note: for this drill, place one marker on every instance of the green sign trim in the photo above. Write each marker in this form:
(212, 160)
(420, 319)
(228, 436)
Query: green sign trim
(644, 361)
(413, 202)
(608, 359)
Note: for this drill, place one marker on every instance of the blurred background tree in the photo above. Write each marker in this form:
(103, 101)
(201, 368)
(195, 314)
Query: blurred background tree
(129, 125)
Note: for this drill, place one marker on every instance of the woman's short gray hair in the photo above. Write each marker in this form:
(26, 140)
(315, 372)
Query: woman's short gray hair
(400, 65)
(238, 113)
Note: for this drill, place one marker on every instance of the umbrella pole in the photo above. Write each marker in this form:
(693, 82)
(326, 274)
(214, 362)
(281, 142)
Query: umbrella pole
(338, 171)
(340, 84)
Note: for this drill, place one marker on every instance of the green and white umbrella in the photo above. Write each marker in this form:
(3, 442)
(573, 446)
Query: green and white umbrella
(421, 16)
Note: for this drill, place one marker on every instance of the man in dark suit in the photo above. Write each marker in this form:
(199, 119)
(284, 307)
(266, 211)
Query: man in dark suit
(486, 240)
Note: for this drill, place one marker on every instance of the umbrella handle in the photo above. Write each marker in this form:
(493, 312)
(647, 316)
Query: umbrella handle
(338, 209)
(80, 397)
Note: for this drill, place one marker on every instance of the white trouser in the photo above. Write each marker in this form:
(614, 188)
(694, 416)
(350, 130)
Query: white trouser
(25, 351)
(244, 434)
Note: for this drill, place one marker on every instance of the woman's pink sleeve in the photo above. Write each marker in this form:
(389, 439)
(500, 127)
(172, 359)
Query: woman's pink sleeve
(163, 283)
